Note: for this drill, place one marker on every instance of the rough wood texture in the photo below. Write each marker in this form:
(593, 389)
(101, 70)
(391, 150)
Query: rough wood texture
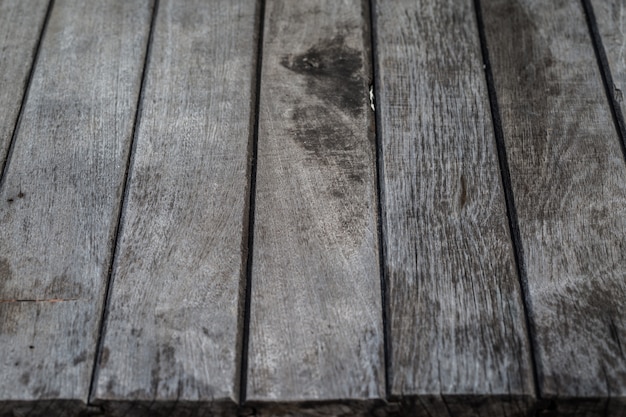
(316, 324)
(20, 28)
(60, 199)
(569, 180)
(611, 20)
(457, 325)
(172, 331)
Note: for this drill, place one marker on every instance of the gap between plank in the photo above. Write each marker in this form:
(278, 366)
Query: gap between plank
(253, 152)
(118, 228)
(516, 240)
(605, 71)
(29, 79)
(380, 195)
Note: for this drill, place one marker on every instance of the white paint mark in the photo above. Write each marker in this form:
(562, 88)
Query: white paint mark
(372, 97)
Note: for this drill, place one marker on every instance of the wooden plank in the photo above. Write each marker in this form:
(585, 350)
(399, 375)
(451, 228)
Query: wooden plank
(20, 28)
(569, 180)
(173, 331)
(611, 17)
(316, 323)
(611, 20)
(458, 339)
(61, 195)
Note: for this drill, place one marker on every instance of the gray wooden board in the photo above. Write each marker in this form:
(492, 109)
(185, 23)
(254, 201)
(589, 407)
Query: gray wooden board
(611, 21)
(60, 200)
(316, 320)
(173, 330)
(569, 180)
(456, 318)
(20, 28)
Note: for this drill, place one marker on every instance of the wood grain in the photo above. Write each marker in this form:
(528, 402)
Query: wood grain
(569, 180)
(60, 199)
(458, 339)
(316, 323)
(173, 330)
(20, 28)
(611, 20)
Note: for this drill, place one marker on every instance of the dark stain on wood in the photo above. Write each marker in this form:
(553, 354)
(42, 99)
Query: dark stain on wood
(62, 287)
(334, 73)
(5, 272)
(463, 198)
(104, 357)
(20, 195)
(80, 358)
(8, 321)
(614, 333)
(321, 132)
(111, 386)
(146, 195)
(9, 315)
(317, 135)
(156, 371)
(334, 77)
(25, 378)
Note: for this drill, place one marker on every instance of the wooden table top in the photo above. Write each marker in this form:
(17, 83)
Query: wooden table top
(312, 208)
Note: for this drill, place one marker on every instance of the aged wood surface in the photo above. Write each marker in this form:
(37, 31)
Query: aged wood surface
(173, 329)
(176, 321)
(20, 29)
(316, 324)
(61, 196)
(569, 180)
(611, 20)
(456, 319)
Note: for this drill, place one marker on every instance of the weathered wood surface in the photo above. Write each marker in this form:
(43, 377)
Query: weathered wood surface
(20, 29)
(173, 332)
(458, 339)
(316, 323)
(175, 325)
(569, 180)
(60, 199)
(611, 20)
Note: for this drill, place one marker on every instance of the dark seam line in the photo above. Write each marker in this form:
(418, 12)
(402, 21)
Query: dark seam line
(605, 71)
(243, 378)
(516, 240)
(118, 228)
(380, 195)
(29, 79)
